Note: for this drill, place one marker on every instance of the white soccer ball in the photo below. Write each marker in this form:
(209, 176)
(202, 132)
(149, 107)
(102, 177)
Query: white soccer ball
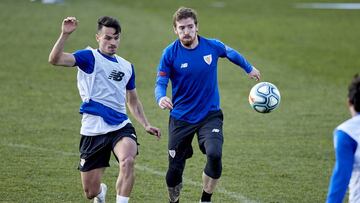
(264, 97)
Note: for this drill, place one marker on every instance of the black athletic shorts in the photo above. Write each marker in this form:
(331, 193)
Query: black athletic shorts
(95, 151)
(181, 134)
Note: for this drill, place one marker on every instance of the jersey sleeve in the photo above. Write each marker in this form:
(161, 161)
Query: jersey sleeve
(233, 55)
(85, 60)
(163, 75)
(131, 83)
(345, 148)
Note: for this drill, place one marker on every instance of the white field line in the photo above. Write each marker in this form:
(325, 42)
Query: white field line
(233, 195)
(341, 6)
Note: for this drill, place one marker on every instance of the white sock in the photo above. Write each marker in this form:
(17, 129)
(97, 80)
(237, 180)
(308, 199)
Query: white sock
(122, 199)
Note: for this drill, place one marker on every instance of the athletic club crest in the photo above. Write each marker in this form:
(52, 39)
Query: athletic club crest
(208, 59)
(172, 153)
(82, 162)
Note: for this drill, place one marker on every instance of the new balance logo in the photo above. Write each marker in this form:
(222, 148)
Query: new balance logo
(215, 130)
(184, 65)
(116, 75)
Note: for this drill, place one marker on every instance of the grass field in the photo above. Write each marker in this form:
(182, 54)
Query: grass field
(286, 156)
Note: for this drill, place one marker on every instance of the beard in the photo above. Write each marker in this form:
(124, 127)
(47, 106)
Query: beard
(188, 41)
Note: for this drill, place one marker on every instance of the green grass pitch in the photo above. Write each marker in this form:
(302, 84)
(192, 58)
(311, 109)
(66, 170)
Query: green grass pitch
(285, 156)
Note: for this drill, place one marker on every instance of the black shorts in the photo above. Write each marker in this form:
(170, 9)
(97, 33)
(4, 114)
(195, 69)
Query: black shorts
(95, 151)
(181, 134)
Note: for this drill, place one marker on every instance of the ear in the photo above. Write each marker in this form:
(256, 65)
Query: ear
(175, 31)
(352, 109)
(97, 37)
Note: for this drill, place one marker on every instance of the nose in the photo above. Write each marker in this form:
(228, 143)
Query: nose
(186, 31)
(113, 42)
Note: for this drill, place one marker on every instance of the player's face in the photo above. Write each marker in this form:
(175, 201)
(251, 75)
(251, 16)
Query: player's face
(108, 41)
(186, 30)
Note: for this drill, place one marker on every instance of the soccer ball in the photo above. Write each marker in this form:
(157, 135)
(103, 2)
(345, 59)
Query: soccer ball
(264, 97)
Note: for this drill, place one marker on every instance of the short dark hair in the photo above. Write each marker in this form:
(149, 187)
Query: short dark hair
(354, 92)
(109, 22)
(183, 13)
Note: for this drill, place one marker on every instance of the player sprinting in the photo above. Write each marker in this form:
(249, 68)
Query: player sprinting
(346, 171)
(190, 63)
(106, 83)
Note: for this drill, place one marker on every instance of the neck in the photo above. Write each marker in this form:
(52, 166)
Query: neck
(352, 111)
(107, 54)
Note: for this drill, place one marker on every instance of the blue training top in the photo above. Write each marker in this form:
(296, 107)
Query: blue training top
(345, 148)
(193, 75)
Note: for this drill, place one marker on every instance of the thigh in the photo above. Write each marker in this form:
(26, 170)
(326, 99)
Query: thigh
(94, 152)
(124, 142)
(211, 131)
(181, 134)
(125, 147)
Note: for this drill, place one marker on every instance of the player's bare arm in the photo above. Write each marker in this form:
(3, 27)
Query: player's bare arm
(137, 111)
(57, 55)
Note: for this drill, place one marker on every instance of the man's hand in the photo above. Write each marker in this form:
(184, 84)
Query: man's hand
(69, 25)
(165, 103)
(153, 131)
(254, 74)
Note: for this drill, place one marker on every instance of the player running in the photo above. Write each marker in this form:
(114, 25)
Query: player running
(106, 84)
(190, 63)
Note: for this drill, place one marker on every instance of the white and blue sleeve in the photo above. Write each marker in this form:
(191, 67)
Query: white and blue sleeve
(85, 60)
(345, 148)
(131, 84)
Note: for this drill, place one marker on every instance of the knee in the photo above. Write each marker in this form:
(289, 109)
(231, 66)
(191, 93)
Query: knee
(176, 167)
(214, 155)
(174, 174)
(213, 149)
(175, 171)
(213, 166)
(127, 163)
(90, 193)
